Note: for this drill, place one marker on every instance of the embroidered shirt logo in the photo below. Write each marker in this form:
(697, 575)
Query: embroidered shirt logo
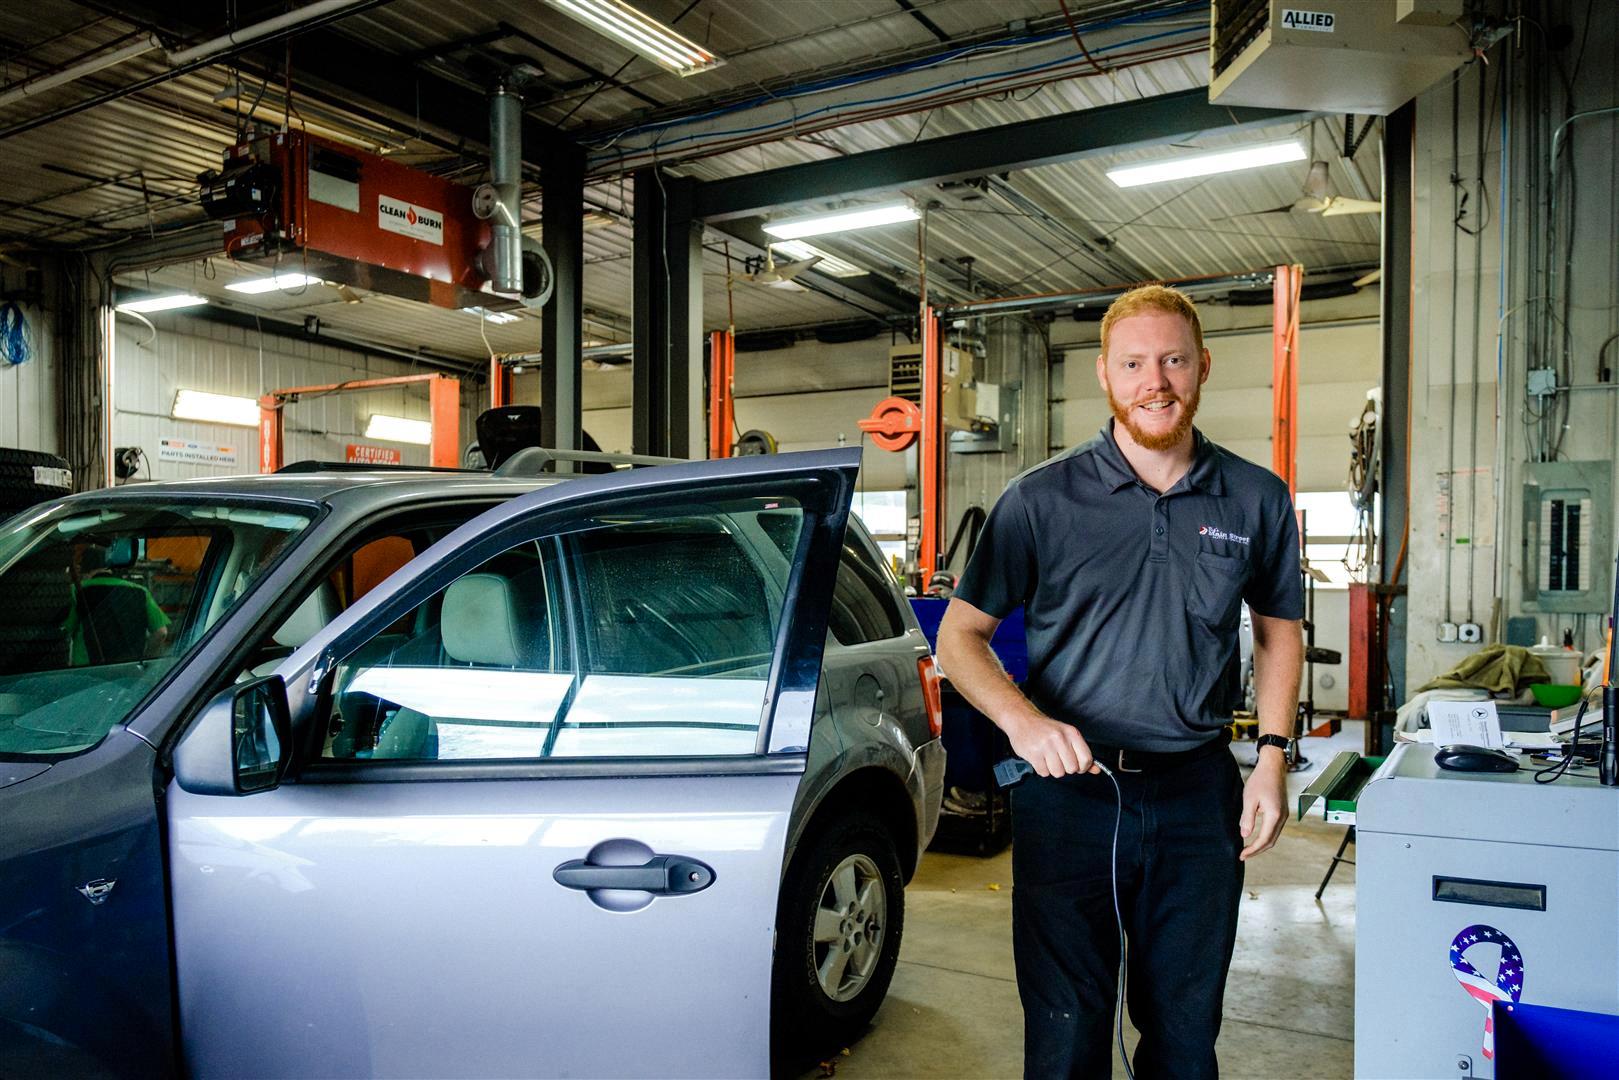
(1216, 533)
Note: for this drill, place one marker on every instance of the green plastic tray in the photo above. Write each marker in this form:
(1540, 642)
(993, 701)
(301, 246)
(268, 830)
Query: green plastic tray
(1338, 786)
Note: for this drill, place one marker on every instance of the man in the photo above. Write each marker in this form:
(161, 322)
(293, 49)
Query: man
(112, 620)
(1131, 556)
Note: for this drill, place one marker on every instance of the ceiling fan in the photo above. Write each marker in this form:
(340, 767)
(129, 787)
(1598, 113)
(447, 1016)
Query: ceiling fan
(1315, 199)
(765, 270)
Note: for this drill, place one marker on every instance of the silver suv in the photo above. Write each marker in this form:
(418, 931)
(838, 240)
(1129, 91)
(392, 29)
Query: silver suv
(397, 773)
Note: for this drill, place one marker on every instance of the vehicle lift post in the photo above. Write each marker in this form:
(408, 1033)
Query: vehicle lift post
(721, 393)
(444, 409)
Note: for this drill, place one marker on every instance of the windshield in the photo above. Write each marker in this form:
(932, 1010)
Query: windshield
(101, 602)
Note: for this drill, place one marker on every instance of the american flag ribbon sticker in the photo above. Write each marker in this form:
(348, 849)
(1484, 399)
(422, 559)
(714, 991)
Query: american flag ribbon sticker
(1508, 983)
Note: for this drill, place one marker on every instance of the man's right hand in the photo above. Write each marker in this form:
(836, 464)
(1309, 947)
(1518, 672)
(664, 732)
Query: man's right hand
(1052, 747)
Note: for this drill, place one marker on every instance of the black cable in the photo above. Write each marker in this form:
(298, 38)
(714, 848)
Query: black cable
(1118, 917)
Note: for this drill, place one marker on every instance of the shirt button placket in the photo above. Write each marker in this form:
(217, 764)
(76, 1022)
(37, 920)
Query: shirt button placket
(1160, 528)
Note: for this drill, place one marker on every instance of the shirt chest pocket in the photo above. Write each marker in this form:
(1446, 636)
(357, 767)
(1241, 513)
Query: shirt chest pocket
(1214, 593)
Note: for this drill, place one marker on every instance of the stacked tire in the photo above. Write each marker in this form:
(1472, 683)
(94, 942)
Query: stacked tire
(28, 477)
(37, 589)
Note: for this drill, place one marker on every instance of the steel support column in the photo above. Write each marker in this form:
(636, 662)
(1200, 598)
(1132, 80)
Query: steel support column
(562, 319)
(1394, 427)
(667, 404)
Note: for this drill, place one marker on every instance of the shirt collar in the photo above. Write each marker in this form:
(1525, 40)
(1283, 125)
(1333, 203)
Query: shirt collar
(1204, 475)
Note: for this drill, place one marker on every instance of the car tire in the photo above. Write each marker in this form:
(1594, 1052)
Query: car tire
(28, 477)
(847, 882)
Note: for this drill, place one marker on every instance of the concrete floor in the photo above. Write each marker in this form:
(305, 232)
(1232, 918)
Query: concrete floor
(953, 1009)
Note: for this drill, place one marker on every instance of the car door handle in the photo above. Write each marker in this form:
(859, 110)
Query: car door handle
(662, 875)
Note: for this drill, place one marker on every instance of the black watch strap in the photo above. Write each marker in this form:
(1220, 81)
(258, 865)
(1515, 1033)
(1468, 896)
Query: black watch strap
(1278, 741)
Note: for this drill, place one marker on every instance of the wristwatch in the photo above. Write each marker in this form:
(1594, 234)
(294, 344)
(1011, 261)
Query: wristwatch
(1278, 741)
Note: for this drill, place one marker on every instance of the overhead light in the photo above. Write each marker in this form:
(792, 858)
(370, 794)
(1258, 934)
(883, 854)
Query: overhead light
(149, 304)
(1184, 168)
(830, 264)
(860, 217)
(643, 34)
(215, 408)
(397, 429)
(496, 317)
(254, 286)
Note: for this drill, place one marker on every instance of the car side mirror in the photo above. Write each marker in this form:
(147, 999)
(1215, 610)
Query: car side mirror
(240, 744)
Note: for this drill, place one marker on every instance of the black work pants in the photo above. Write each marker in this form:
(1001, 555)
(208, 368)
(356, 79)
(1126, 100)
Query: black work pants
(1180, 883)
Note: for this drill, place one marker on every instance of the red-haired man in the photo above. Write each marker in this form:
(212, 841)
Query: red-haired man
(1131, 556)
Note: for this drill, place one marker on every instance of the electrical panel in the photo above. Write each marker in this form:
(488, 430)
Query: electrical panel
(1568, 536)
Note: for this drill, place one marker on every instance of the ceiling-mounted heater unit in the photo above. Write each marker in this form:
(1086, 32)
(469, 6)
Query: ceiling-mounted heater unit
(1366, 57)
(303, 204)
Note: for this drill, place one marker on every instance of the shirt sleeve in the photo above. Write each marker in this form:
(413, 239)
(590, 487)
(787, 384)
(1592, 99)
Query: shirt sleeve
(155, 619)
(1002, 573)
(1276, 588)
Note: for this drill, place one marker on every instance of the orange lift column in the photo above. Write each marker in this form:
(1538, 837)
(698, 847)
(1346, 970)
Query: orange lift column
(444, 411)
(1284, 432)
(500, 384)
(721, 379)
(927, 557)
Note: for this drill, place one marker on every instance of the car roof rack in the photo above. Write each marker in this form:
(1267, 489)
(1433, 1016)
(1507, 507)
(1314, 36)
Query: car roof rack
(312, 466)
(532, 460)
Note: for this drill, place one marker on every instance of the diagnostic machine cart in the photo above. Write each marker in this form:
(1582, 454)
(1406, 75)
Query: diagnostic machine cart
(1474, 888)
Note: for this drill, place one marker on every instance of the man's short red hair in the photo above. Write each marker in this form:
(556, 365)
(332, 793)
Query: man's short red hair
(1153, 298)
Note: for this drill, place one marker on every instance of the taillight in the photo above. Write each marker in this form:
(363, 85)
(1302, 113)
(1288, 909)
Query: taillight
(932, 697)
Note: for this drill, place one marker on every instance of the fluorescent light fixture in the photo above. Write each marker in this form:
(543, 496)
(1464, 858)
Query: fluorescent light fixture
(830, 264)
(397, 429)
(150, 304)
(496, 317)
(858, 217)
(643, 34)
(274, 283)
(1184, 168)
(215, 408)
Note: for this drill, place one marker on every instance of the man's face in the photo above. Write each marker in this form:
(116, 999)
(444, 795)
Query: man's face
(1153, 375)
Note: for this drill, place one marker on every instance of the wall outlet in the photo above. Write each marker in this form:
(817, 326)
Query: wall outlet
(1447, 631)
(1470, 632)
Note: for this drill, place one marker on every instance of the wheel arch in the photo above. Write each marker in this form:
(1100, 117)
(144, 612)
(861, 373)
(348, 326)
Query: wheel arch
(875, 790)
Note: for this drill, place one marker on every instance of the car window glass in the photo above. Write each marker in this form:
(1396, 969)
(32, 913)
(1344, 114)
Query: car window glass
(632, 635)
(863, 604)
(103, 602)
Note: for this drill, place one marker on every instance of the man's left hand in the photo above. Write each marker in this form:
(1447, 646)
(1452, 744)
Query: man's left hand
(1263, 797)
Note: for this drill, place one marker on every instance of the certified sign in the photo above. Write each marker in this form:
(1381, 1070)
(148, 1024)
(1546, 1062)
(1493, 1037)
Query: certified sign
(1319, 21)
(195, 453)
(408, 219)
(373, 455)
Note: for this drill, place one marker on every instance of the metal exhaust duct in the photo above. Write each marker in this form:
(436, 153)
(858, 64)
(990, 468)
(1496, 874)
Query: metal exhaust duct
(506, 173)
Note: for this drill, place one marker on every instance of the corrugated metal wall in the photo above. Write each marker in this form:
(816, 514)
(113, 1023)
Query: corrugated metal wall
(28, 392)
(195, 354)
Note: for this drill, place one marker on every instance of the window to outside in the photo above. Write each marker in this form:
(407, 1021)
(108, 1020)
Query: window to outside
(1334, 545)
(103, 602)
(883, 514)
(635, 635)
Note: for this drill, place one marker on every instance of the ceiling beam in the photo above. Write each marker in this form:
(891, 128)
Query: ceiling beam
(1007, 148)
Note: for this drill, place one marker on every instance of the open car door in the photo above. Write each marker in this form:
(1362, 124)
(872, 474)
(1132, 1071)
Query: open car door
(521, 811)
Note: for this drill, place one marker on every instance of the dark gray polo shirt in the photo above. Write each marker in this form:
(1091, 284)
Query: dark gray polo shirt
(1132, 599)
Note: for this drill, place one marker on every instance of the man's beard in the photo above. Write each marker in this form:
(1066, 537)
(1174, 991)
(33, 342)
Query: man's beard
(1148, 440)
